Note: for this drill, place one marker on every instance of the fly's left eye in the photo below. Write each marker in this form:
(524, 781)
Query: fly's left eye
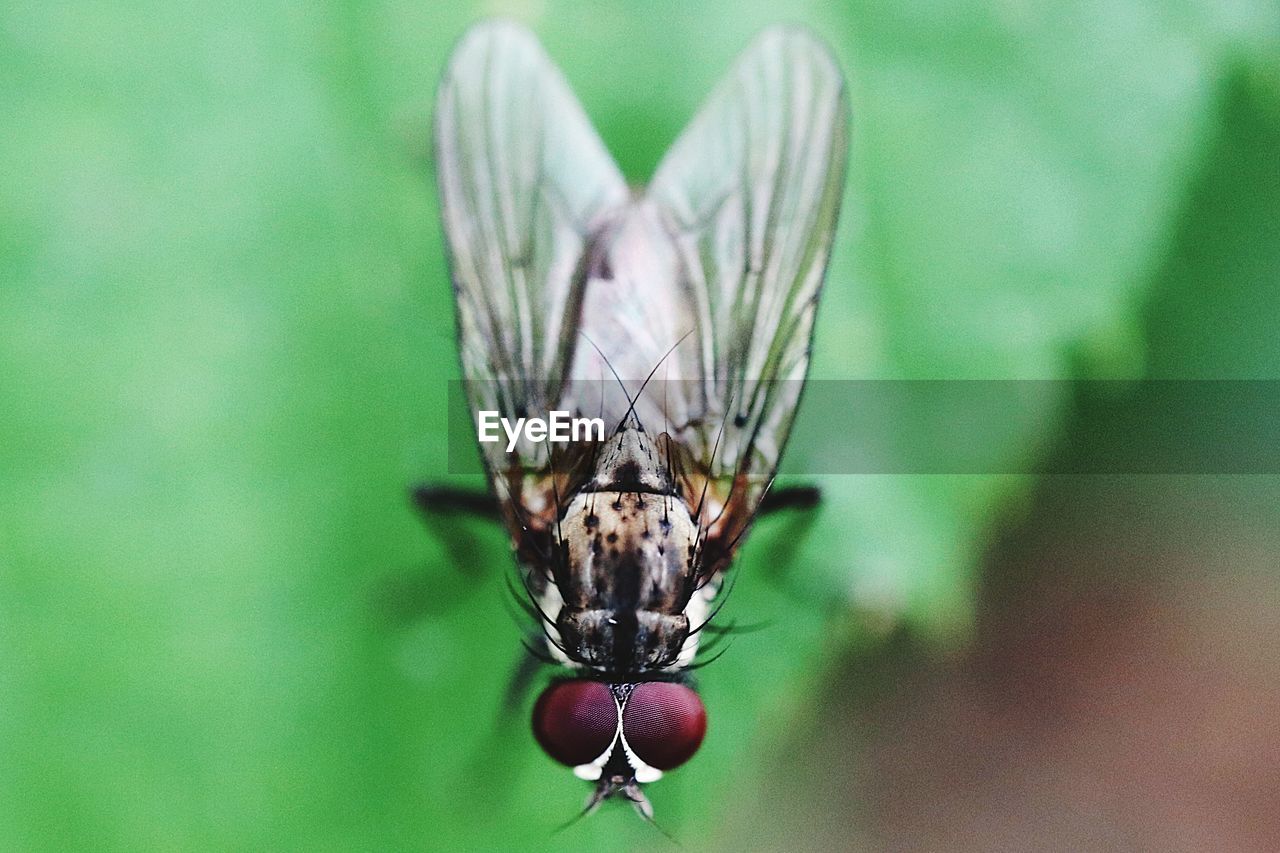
(664, 723)
(575, 721)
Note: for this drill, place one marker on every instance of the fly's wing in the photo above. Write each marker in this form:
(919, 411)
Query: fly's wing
(749, 195)
(525, 184)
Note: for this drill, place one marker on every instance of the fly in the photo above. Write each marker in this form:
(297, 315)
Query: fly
(682, 316)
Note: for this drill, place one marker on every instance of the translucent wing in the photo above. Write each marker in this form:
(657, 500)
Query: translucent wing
(525, 184)
(726, 254)
(752, 191)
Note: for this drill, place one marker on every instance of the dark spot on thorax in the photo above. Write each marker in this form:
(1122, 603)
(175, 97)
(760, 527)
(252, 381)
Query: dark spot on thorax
(624, 640)
(627, 477)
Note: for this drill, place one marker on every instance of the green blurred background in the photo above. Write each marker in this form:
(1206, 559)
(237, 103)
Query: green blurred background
(225, 340)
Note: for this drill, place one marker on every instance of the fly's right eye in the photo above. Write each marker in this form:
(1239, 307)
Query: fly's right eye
(575, 721)
(664, 723)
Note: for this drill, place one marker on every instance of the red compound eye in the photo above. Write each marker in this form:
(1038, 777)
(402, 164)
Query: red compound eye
(664, 723)
(575, 721)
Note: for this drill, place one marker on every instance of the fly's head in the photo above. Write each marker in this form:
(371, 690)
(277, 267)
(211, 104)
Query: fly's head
(619, 735)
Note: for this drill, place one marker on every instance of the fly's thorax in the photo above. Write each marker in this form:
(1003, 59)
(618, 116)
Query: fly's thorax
(628, 576)
(628, 550)
(629, 544)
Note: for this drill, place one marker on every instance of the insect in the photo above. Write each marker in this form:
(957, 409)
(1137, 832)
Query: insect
(682, 315)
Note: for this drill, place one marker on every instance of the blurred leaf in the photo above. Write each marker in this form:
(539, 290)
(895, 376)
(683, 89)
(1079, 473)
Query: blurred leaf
(1014, 178)
(1218, 293)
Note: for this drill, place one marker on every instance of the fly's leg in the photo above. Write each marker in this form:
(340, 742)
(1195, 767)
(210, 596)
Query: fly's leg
(790, 497)
(775, 503)
(522, 678)
(433, 501)
(443, 507)
(448, 514)
(778, 503)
